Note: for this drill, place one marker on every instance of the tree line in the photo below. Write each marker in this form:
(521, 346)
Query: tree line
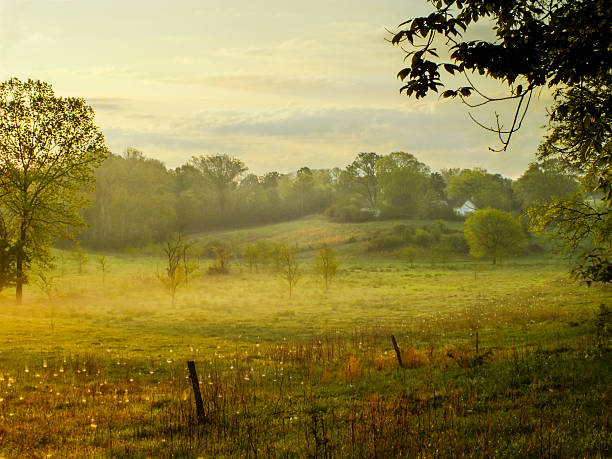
(138, 200)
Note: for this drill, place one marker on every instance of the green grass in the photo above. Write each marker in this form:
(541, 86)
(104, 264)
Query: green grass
(98, 368)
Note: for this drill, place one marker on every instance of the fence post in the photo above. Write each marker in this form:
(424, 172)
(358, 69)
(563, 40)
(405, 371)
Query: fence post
(397, 351)
(193, 375)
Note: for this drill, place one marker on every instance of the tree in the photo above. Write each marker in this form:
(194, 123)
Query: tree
(221, 173)
(49, 149)
(554, 43)
(543, 181)
(564, 45)
(361, 175)
(303, 184)
(133, 204)
(404, 183)
(580, 133)
(80, 257)
(481, 187)
(103, 266)
(493, 233)
(252, 256)
(289, 267)
(221, 254)
(173, 276)
(326, 264)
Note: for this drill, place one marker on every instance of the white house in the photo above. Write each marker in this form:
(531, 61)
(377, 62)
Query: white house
(466, 209)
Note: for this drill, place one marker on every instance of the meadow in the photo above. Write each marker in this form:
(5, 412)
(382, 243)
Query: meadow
(510, 360)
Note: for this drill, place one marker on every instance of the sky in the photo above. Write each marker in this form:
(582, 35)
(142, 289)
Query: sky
(278, 84)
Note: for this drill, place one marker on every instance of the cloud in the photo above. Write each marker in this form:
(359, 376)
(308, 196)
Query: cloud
(290, 138)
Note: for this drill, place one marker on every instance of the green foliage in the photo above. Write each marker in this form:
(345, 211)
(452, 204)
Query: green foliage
(8, 257)
(49, 149)
(563, 44)
(543, 181)
(222, 255)
(134, 203)
(584, 230)
(580, 133)
(493, 233)
(361, 176)
(481, 187)
(558, 44)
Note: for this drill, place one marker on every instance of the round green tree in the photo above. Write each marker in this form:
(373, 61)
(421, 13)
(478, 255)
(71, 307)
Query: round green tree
(493, 233)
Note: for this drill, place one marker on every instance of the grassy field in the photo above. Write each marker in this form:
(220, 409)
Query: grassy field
(505, 361)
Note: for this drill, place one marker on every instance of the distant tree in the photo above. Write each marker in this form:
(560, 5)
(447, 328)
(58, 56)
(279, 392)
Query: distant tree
(410, 253)
(188, 261)
(303, 184)
(289, 267)
(404, 183)
(543, 181)
(481, 187)
(134, 203)
(79, 256)
(49, 149)
(221, 173)
(326, 264)
(361, 176)
(442, 250)
(493, 233)
(252, 256)
(222, 255)
(173, 275)
(102, 262)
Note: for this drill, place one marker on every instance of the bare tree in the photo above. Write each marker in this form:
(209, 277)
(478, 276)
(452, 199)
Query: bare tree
(173, 276)
(79, 257)
(326, 264)
(103, 266)
(289, 268)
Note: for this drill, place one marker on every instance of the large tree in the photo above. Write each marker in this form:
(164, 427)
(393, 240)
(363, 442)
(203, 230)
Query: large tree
(563, 45)
(49, 149)
(581, 134)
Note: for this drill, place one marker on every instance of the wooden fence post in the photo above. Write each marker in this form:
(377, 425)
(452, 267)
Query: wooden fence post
(397, 351)
(195, 383)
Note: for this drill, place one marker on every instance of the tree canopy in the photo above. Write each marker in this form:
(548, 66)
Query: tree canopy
(554, 43)
(493, 233)
(49, 149)
(563, 45)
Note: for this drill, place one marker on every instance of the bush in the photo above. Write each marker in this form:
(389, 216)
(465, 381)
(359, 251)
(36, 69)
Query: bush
(458, 243)
(384, 242)
(423, 238)
(349, 214)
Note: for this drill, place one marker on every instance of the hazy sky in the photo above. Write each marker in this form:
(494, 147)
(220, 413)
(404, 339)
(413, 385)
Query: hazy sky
(280, 84)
